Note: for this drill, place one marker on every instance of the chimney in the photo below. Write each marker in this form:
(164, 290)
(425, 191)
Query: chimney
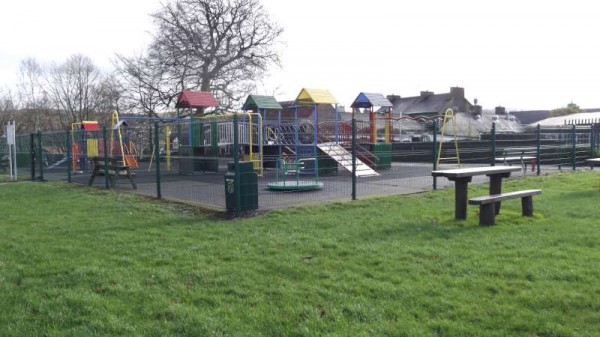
(425, 94)
(458, 98)
(500, 110)
(393, 98)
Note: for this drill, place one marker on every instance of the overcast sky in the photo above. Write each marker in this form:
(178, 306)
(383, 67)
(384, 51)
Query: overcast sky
(518, 54)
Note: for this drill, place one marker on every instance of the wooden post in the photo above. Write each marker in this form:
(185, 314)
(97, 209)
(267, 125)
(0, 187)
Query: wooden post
(527, 205)
(461, 196)
(487, 215)
(496, 188)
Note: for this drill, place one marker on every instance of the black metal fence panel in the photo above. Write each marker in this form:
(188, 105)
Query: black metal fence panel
(248, 164)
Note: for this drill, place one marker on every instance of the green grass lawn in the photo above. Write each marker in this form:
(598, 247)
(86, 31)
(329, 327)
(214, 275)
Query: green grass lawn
(86, 262)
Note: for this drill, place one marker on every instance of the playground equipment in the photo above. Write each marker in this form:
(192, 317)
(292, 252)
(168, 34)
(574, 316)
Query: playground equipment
(120, 147)
(282, 184)
(308, 103)
(448, 116)
(370, 101)
(212, 137)
(269, 109)
(378, 153)
(84, 144)
(281, 135)
(309, 144)
(297, 140)
(167, 147)
(194, 104)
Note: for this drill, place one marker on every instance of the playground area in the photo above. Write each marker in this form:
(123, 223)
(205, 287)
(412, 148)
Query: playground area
(274, 155)
(208, 189)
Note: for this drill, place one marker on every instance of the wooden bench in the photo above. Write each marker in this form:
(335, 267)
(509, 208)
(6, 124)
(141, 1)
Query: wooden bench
(115, 169)
(593, 162)
(487, 204)
(520, 155)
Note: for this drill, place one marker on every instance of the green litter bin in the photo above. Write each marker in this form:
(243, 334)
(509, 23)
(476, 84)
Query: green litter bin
(383, 152)
(248, 187)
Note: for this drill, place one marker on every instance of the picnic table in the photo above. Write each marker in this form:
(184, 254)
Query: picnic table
(463, 176)
(114, 168)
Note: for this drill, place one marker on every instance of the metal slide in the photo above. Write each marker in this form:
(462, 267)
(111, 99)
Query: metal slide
(344, 158)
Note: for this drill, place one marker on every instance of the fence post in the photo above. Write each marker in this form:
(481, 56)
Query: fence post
(40, 154)
(494, 144)
(353, 158)
(539, 149)
(68, 156)
(573, 147)
(32, 154)
(592, 140)
(236, 164)
(105, 155)
(435, 149)
(157, 159)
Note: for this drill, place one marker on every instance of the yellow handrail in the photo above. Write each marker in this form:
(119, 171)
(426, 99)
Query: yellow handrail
(448, 114)
(250, 142)
(115, 125)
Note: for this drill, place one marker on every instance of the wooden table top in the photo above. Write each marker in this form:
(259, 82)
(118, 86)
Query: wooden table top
(474, 171)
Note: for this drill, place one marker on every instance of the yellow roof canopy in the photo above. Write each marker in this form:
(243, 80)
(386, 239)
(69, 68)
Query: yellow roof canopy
(315, 96)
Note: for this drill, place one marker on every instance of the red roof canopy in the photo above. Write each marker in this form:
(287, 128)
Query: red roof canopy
(90, 126)
(196, 99)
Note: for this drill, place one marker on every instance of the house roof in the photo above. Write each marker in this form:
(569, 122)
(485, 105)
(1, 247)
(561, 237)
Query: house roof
(315, 96)
(368, 100)
(428, 103)
(254, 102)
(432, 103)
(196, 99)
(578, 118)
(530, 116)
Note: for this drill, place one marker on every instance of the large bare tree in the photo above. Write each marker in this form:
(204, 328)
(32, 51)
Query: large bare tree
(34, 110)
(222, 46)
(7, 108)
(147, 85)
(72, 86)
(108, 95)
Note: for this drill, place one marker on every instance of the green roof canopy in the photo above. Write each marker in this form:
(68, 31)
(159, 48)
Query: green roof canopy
(255, 102)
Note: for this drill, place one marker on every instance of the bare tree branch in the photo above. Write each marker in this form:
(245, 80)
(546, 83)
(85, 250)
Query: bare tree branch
(223, 46)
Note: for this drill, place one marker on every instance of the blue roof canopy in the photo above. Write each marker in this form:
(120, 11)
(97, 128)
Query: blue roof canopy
(368, 100)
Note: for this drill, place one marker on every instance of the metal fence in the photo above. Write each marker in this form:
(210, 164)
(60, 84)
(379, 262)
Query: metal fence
(239, 163)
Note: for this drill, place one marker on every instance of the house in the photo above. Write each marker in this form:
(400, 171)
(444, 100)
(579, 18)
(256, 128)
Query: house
(533, 117)
(429, 104)
(582, 118)
(530, 116)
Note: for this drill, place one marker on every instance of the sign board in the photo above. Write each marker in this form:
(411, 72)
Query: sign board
(10, 134)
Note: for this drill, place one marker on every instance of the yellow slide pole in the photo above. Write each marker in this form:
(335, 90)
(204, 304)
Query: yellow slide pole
(115, 122)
